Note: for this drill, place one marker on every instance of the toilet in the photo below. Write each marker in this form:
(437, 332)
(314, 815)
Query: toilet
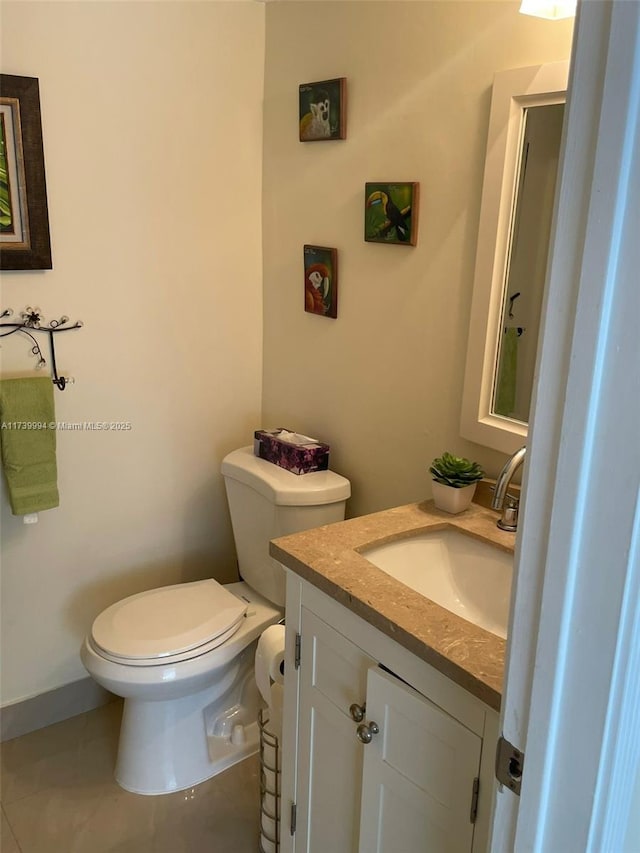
(182, 656)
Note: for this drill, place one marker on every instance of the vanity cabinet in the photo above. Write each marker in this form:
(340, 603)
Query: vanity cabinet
(381, 752)
(420, 773)
(333, 677)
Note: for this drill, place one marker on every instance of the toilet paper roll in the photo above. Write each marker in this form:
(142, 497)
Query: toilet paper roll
(270, 660)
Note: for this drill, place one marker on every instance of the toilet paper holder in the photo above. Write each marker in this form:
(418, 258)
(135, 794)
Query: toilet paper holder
(270, 776)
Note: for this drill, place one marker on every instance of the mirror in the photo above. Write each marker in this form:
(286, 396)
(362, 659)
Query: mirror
(525, 130)
(527, 261)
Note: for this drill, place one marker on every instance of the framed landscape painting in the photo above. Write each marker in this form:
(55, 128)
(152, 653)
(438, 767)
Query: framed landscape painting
(391, 213)
(24, 219)
(321, 281)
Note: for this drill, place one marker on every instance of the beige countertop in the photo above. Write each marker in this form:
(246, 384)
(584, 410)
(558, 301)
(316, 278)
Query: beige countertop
(328, 558)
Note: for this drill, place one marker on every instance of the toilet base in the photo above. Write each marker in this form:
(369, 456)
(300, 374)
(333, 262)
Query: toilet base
(170, 745)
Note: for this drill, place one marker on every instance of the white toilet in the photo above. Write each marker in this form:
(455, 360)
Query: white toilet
(183, 656)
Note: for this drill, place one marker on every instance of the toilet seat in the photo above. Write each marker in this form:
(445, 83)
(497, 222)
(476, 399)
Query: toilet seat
(168, 624)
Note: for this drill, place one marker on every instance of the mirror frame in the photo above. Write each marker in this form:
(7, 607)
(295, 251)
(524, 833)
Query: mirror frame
(513, 91)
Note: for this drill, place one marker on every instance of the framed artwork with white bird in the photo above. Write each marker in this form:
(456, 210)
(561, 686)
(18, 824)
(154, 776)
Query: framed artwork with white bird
(391, 213)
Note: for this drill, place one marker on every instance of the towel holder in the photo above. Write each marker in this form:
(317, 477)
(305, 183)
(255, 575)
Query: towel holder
(512, 299)
(30, 325)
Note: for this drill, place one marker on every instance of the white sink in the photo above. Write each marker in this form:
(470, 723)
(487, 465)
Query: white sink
(462, 574)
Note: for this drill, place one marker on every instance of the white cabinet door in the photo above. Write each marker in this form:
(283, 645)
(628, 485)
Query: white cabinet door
(418, 775)
(333, 676)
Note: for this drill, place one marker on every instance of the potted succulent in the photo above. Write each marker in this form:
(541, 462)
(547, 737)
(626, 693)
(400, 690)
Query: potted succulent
(454, 482)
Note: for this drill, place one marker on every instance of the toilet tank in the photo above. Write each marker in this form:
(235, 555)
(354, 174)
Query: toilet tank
(265, 502)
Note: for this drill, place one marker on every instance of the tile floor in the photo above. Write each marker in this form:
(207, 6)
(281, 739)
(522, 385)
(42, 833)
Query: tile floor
(58, 796)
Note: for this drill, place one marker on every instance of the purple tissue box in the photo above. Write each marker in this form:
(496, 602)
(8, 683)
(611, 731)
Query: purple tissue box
(292, 451)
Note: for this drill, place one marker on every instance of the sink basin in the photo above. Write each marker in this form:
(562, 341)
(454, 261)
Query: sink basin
(462, 574)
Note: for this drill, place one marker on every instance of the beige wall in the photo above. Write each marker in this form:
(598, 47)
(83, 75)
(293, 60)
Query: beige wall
(383, 382)
(152, 116)
(153, 128)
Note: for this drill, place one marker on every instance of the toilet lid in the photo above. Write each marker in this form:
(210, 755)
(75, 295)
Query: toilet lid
(167, 621)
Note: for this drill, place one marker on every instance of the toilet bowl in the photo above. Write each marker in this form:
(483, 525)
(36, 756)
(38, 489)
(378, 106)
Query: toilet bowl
(182, 656)
(187, 716)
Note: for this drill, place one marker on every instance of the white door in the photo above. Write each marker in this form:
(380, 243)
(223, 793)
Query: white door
(419, 773)
(333, 674)
(573, 672)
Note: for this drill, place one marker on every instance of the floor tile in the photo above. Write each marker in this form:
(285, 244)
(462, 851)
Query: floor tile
(78, 750)
(221, 814)
(8, 843)
(60, 797)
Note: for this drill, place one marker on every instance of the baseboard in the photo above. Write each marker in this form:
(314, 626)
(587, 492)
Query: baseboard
(20, 718)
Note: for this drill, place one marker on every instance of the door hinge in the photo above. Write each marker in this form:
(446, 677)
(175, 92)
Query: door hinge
(296, 659)
(473, 813)
(509, 765)
(294, 815)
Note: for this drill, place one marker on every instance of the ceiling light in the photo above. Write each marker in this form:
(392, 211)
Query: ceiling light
(552, 10)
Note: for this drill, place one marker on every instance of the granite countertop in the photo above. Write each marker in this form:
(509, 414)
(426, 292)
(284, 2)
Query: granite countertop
(328, 558)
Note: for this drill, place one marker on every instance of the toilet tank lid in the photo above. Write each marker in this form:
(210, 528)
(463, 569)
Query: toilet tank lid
(283, 487)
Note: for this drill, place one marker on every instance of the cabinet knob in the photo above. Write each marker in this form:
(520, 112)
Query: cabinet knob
(365, 732)
(357, 712)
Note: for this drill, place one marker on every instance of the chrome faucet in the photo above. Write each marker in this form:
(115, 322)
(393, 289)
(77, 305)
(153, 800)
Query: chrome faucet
(501, 500)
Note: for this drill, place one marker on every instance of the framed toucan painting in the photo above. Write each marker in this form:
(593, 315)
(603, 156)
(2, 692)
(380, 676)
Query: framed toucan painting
(391, 213)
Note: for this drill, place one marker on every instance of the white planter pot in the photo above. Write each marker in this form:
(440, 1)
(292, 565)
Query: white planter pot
(452, 500)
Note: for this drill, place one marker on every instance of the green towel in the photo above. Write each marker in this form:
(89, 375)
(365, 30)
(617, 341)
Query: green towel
(29, 453)
(506, 388)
